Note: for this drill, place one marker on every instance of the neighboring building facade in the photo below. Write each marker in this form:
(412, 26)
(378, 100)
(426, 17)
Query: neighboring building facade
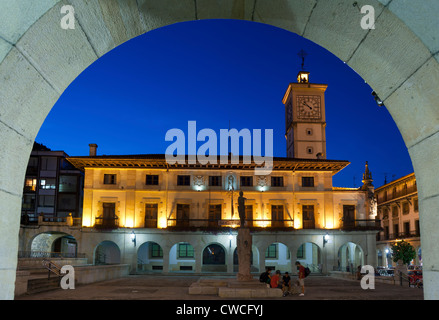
(399, 214)
(52, 187)
(155, 216)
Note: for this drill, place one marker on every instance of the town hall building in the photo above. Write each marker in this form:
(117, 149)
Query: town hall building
(159, 217)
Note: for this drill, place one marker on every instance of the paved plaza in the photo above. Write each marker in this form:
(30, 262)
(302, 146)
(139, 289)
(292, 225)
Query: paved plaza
(176, 287)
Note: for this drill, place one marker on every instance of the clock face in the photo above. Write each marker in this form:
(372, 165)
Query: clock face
(308, 107)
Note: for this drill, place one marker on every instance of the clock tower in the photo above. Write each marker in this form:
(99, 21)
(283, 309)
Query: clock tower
(305, 120)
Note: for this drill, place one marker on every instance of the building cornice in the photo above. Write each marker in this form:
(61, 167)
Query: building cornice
(158, 161)
(405, 178)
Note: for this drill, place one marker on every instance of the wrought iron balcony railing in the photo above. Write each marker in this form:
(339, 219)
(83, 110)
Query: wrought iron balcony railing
(219, 223)
(106, 223)
(399, 235)
(361, 224)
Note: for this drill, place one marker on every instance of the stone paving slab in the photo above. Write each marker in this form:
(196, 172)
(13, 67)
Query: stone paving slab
(162, 287)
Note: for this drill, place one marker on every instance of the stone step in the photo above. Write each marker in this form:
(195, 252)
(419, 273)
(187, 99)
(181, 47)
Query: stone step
(43, 284)
(232, 288)
(246, 284)
(249, 292)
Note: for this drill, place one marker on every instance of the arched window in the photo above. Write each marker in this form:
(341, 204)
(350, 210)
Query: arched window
(214, 254)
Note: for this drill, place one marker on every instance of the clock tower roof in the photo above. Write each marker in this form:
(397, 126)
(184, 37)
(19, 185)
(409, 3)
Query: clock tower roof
(305, 87)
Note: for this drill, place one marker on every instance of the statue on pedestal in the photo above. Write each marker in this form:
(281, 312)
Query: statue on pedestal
(243, 243)
(241, 208)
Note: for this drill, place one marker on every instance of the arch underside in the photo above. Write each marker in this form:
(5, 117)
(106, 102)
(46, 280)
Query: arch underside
(39, 59)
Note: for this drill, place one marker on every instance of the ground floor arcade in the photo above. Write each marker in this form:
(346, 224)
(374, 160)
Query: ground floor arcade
(163, 251)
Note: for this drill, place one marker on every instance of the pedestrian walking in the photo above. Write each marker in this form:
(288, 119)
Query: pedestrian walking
(301, 278)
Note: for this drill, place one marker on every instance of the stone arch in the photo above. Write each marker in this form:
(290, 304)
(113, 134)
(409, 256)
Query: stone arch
(214, 258)
(277, 256)
(150, 257)
(54, 244)
(350, 256)
(182, 258)
(107, 252)
(399, 59)
(309, 255)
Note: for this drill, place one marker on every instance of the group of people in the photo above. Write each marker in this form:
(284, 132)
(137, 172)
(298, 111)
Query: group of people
(288, 287)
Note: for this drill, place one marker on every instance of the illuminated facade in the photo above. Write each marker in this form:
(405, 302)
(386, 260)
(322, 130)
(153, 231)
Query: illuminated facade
(292, 208)
(399, 214)
(144, 191)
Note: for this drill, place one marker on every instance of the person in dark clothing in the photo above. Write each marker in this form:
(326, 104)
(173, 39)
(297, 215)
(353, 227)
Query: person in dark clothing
(265, 276)
(286, 284)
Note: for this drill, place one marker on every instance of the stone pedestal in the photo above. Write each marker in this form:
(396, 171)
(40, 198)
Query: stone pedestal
(244, 247)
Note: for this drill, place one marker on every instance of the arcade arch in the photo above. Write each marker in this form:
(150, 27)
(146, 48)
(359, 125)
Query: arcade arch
(182, 257)
(107, 252)
(350, 256)
(278, 257)
(214, 258)
(310, 255)
(150, 257)
(54, 244)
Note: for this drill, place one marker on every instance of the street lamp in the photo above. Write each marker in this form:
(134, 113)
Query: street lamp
(325, 239)
(133, 237)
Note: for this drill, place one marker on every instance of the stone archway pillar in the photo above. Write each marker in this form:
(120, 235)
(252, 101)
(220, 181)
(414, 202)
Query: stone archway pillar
(14, 154)
(262, 258)
(166, 253)
(229, 259)
(370, 255)
(9, 246)
(327, 257)
(128, 253)
(198, 254)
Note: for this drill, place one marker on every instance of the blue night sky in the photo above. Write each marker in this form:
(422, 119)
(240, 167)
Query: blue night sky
(213, 72)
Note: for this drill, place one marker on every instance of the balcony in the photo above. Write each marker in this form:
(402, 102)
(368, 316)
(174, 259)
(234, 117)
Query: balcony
(150, 223)
(215, 224)
(106, 223)
(398, 194)
(360, 224)
(400, 235)
(309, 224)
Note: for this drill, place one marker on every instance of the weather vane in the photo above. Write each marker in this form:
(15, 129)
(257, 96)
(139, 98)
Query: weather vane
(302, 53)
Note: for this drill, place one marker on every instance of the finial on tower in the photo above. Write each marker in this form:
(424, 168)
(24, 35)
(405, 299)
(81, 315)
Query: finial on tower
(367, 175)
(367, 178)
(302, 53)
(303, 76)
